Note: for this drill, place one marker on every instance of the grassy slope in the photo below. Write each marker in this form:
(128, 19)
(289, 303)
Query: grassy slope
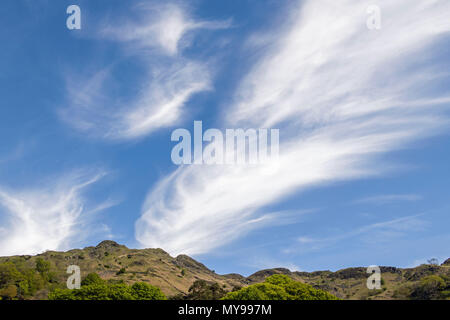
(176, 275)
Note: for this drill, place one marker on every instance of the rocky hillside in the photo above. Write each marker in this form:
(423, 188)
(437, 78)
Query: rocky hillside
(174, 276)
(350, 284)
(113, 261)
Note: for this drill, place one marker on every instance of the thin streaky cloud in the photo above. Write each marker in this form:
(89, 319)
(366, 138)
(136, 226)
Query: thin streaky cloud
(162, 28)
(50, 217)
(343, 94)
(388, 198)
(375, 233)
(169, 78)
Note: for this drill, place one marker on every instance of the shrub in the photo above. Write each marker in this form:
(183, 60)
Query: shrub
(121, 271)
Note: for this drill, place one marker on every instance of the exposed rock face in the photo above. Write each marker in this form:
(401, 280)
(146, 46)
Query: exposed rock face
(312, 274)
(390, 270)
(184, 261)
(417, 273)
(103, 248)
(237, 277)
(263, 274)
(108, 244)
(355, 273)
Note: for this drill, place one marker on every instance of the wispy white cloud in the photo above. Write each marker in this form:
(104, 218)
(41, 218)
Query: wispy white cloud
(17, 152)
(342, 95)
(388, 198)
(375, 233)
(49, 217)
(202, 211)
(170, 79)
(159, 105)
(161, 28)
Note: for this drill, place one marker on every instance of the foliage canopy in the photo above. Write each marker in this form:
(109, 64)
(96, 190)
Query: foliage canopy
(279, 287)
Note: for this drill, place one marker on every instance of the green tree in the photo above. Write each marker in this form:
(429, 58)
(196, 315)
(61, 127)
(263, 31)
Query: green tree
(8, 274)
(90, 292)
(62, 294)
(429, 288)
(105, 291)
(26, 280)
(204, 290)
(119, 292)
(144, 291)
(279, 287)
(92, 278)
(8, 293)
(298, 290)
(259, 291)
(42, 266)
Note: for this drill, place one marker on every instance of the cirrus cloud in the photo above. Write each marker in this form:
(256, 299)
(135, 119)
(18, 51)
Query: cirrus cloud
(342, 94)
(169, 79)
(49, 217)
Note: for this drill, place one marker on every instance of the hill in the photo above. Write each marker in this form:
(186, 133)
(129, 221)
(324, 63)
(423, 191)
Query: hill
(175, 275)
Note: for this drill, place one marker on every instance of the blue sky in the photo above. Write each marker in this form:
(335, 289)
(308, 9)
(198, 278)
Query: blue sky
(86, 118)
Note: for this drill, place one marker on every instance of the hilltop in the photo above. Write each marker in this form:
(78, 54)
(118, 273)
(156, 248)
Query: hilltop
(175, 275)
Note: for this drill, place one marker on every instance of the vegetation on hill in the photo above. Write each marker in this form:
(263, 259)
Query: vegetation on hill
(115, 262)
(109, 270)
(202, 290)
(18, 281)
(432, 287)
(95, 288)
(279, 287)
